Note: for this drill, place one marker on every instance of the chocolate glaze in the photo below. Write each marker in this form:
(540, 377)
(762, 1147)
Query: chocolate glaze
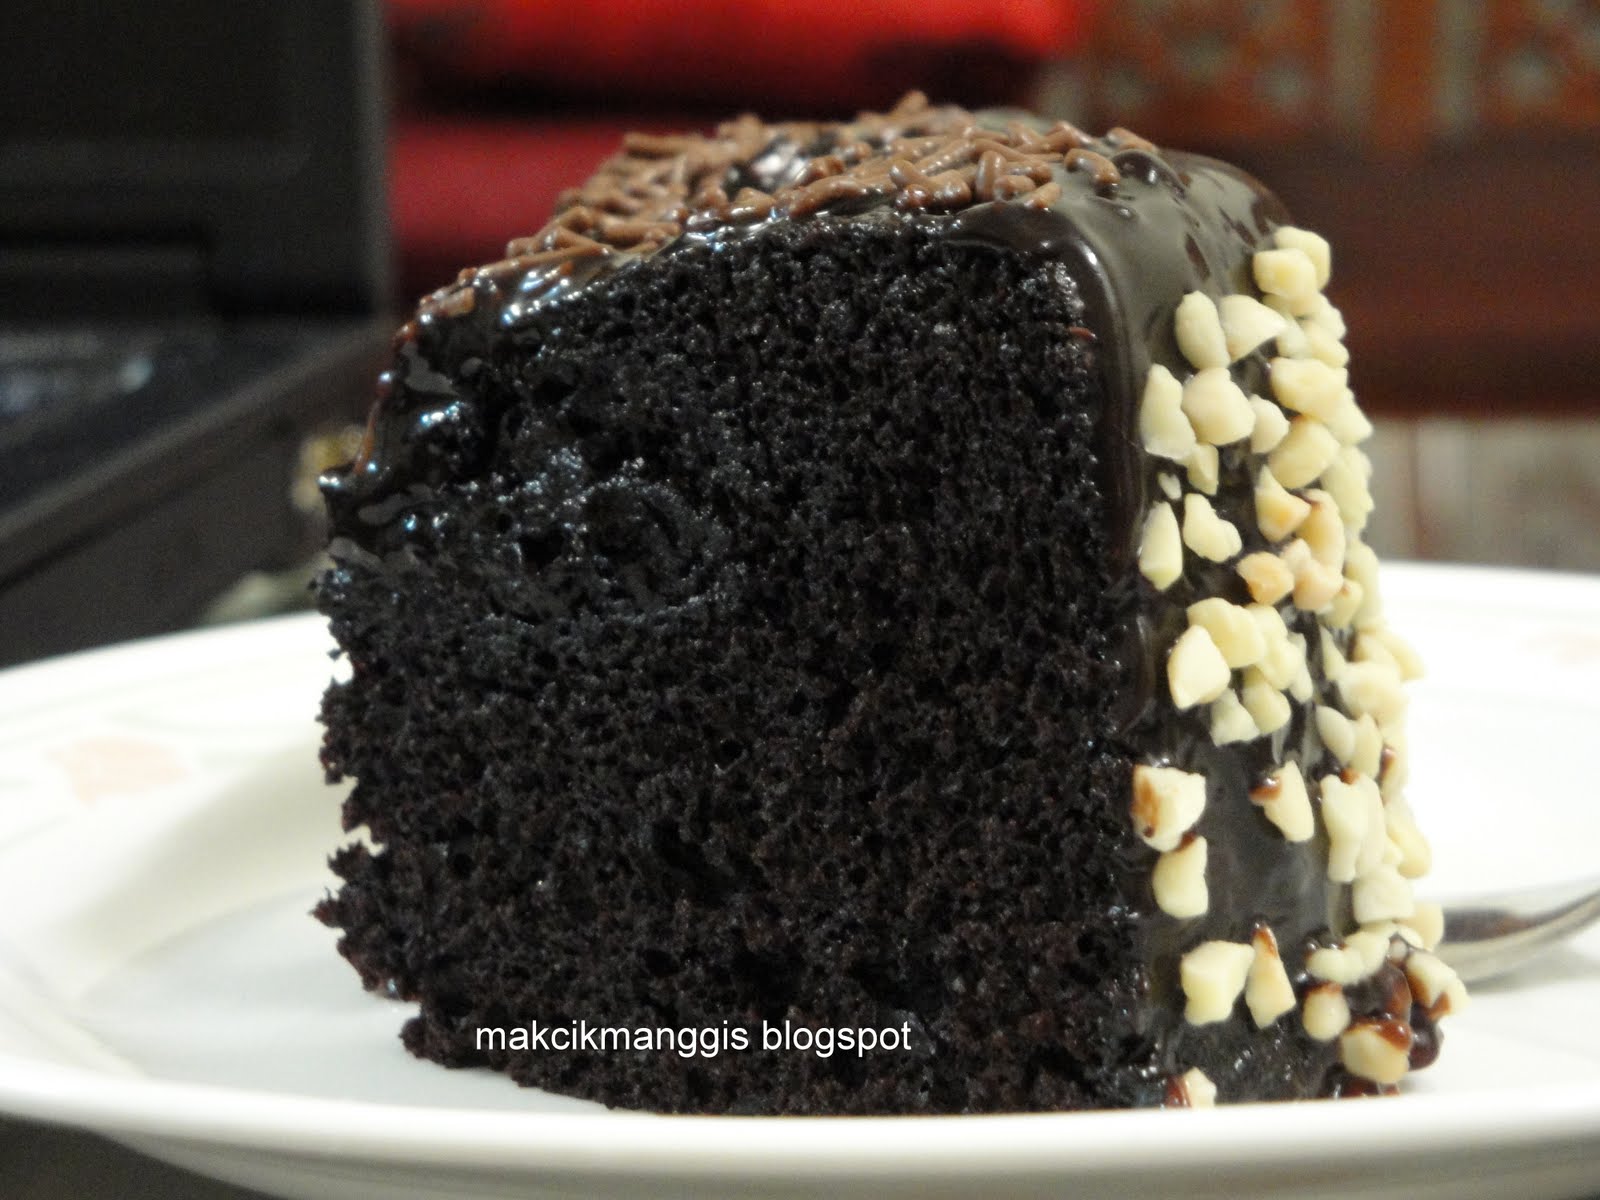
(1136, 228)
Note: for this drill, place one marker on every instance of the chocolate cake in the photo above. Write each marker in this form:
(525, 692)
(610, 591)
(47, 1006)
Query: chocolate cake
(872, 618)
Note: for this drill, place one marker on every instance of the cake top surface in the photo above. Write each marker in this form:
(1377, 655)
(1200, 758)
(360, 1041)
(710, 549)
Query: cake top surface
(1136, 227)
(916, 157)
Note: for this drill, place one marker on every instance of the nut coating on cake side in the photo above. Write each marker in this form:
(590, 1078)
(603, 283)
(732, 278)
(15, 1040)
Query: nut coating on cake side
(898, 575)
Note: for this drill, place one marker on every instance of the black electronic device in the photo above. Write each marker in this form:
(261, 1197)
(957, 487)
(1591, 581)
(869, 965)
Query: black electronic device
(193, 264)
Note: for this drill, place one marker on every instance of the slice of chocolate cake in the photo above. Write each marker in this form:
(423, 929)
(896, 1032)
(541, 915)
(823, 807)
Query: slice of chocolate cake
(894, 582)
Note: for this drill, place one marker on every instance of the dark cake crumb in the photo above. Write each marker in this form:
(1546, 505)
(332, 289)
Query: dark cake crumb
(753, 622)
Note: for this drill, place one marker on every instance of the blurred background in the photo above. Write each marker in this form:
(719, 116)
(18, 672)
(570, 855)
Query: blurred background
(186, 185)
(1449, 149)
(330, 162)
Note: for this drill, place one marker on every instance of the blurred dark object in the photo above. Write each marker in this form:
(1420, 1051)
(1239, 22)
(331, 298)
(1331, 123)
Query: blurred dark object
(828, 56)
(192, 257)
(1449, 149)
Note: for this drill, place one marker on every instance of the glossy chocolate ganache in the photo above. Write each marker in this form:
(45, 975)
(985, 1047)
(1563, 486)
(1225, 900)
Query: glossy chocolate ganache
(1116, 821)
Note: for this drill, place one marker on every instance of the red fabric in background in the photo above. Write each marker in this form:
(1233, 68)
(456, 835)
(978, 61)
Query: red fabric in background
(461, 188)
(828, 54)
(462, 183)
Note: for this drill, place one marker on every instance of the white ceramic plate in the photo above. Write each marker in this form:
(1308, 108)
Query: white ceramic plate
(163, 834)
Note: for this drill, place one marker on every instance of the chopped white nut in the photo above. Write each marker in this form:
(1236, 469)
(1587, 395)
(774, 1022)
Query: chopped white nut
(1161, 547)
(1266, 576)
(1284, 801)
(1397, 770)
(1279, 511)
(1163, 429)
(1402, 941)
(1324, 346)
(1268, 707)
(1197, 1089)
(1315, 583)
(1292, 342)
(1284, 661)
(1306, 385)
(1213, 975)
(1391, 852)
(1323, 530)
(1326, 1013)
(1369, 648)
(1358, 958)
(1284, 658)
(1288, 273)
(1333, 662)
(1346, 480)
(1207, 534)
(1413, 855)
(1382, 894)
(1233, 629)
(1337, 732)
(1367, 756)
(1301, 687)
(1170, 487)
(1374, 687)
(1456, 999)
(1270, 621)
(1376, 1050)
(1231, 721)
(1313, 245)
(1405, 658)
(1166, 804)
(1304, 453)
(1246, 324)
(1199, 330)
(1347, 423)
(1218, 410)
(1205, 468)
(1196, 671)
(1179, 880)
(1319, 310)
(1352, 811)
(1346, 603)
(1268, 994)
(1344, 814)
(1428, 920)
(1372, 946)
(1361, 565)
(1271, 424)
(1434, 981)
(1375, 844)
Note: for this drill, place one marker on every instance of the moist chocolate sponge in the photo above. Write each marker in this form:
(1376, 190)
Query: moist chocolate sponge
(737, 651)
(901, 576)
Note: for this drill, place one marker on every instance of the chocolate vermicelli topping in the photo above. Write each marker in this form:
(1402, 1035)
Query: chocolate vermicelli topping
(919, 156)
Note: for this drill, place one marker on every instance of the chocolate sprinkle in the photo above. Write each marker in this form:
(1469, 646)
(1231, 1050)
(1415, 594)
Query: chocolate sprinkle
(918, 156)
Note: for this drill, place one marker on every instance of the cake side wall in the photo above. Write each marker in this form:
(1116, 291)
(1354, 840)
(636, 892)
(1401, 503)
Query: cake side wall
(731, 647)
(1289, 955)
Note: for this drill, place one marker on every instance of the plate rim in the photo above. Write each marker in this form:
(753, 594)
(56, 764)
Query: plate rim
(1378, 1130)
(153, 1107)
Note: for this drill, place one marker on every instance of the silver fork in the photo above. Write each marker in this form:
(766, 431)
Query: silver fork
(1486, 936)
